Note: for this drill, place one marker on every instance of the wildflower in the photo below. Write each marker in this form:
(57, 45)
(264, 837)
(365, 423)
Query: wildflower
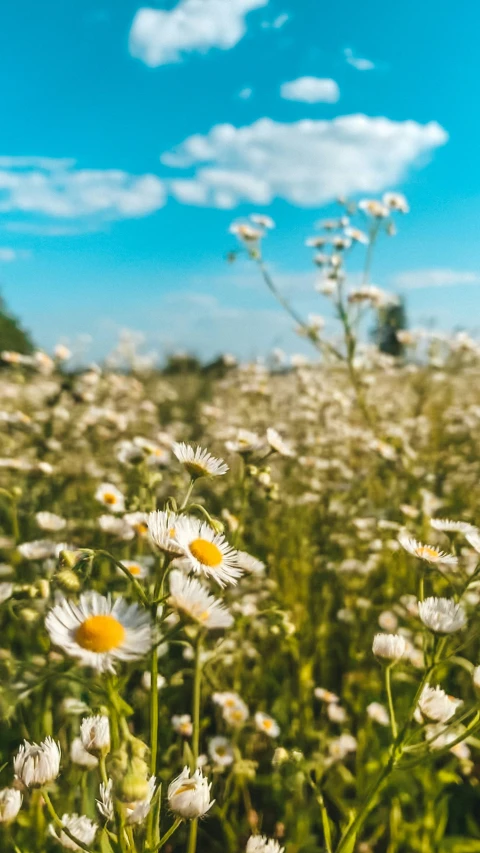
(95, 733)
(221, 751)
(199, 462)
(235, 711)
(182, 724)
(36, 764)
(373, 208)
(189, 795)
(396, 201)
(357, 235)
(80, 826)
(39, 549)
(6, 591)
(277, 443)
(207, 552)
(447, 525)
(245, 232)
(340, 747)
(50, 521)
(266, 724)
(473, 539)
(250, 565)
(110, 496)
(336, 713)
(136, 568)
(161, 527)
(116, 527)
(62, 352)
(388, 621)
(138, 521)
(245, 443)
(136, 811)
(442, 615)
(147, 681)
(429, 553)
(438, 736)
(10, 803)
(378, 714)
(80, 756)
(191, 597)
(262, 220)
(435, 705)
(262, 844)
(325, 695)
(390, 646)
(98, 631)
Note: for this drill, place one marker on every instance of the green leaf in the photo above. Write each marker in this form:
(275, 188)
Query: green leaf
(105, 845)
(458, 844)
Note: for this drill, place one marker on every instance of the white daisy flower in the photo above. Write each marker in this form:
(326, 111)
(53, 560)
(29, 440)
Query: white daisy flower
(95, 733)
(116, 527)
(161, 527)
(429, 553)
(182, 724)
(135, 567)
(246, 232)
(262, 220)
(438, 736)
(277, 443)
(250, 565)
(10, 803)
(245, 442)
(190, 596)
(208, 552)
(80, 756)
(473, 539)
(357, 235)
(373, 207)
(266, 724)
(108, 495)
(189, 795)
(235, 711)
(99, 631)
(136, 812)
(396, 201)
(147, 680)
(336, 713)
(39, 549)
(199, 462)
(435, 705)
(35, 764)
(340, 747)
(262, 844)
(325, 695)
(390, 646)
(378, 713)
(442, 615)
(221, 751)
(50, 521)
(448, 525)
(138, 521)
(80, 826)
(6, 591)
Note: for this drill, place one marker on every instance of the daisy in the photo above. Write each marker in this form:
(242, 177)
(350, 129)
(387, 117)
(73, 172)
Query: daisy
(451, 526)
(266, 724)
(262, 844)
(277, 443)
(250, 564)
(207, 552)
(245, 231)
(110, 496)
(436, 706)
(221, 751)
(50, 521)
(473, 539)
(191, 597)
(189, 795)
(234, 710)
(138, 521)
(135, 568)
(80, 756)
(429, 553)
(136, 811)
(336, 713)
(199, 462)
(161, 527)
(396, 201)
(378, 713)
(80, 826)
(39, 549)
(357, 235)
(116, 527)
(442, 615)
(325, 695)
(99, 631)
(373, 208)
(95, 733)
(36, 764)
(340, 747)
(262, 220)
(10, 803)
(390, 646)
(245, 442)
(182, 724)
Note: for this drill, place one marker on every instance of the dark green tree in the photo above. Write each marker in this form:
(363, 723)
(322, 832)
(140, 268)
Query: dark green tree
(391, 318)
(12, 336)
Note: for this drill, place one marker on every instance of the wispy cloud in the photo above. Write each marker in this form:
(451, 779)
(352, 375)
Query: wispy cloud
(159, 37)
(361, 64)
(434, 277)
(307, 163)
(7, 254)
(311, 90)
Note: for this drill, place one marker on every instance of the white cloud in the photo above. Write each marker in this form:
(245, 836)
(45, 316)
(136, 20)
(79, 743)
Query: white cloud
(357, 62)
(7, 254)
(306, 163)
(56, 189)
(436, 277)
(277, 22)
(159, 37)
(245, 93)
(311, 90)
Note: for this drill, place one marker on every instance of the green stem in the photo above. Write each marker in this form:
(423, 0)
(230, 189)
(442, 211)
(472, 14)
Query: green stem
(197, 688)
(167, 835)
(58, 822)
(138, 588)
(391, 709)
(187, 496)
(362, 814)
(327, 835)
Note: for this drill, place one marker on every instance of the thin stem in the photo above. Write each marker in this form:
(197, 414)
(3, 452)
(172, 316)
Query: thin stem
(140, 591)
(197, 689)
(58, 822)
(327, 835)
(391, 709)
(167, 835)
(362, 814)
(188, 495)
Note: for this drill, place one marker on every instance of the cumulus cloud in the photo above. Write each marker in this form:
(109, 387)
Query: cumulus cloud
(436, 277)
(357, 62)
(311, 90)
(55, 188)
(159, 37)
(307, 162)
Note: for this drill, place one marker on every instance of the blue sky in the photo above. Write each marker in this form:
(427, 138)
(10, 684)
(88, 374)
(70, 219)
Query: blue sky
(118, 183)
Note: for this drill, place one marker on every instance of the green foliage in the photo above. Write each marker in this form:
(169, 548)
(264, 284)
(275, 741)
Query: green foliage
(391, 318)
(12, 336)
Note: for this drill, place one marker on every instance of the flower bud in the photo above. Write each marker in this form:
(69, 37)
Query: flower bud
(95, 734)
(10, 802)
(67, 580)
(36, 764)
(189, 796)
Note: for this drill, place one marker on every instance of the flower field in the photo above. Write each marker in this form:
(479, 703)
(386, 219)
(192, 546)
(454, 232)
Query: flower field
(239, 604)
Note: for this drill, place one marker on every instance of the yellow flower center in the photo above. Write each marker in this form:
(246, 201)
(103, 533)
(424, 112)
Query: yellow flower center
(187, 786)
(109, 498)
(135, 569)
(206, 552)
(195, 469)
(100, 634)
(427, 552)
(267, 724)
(141, 528)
